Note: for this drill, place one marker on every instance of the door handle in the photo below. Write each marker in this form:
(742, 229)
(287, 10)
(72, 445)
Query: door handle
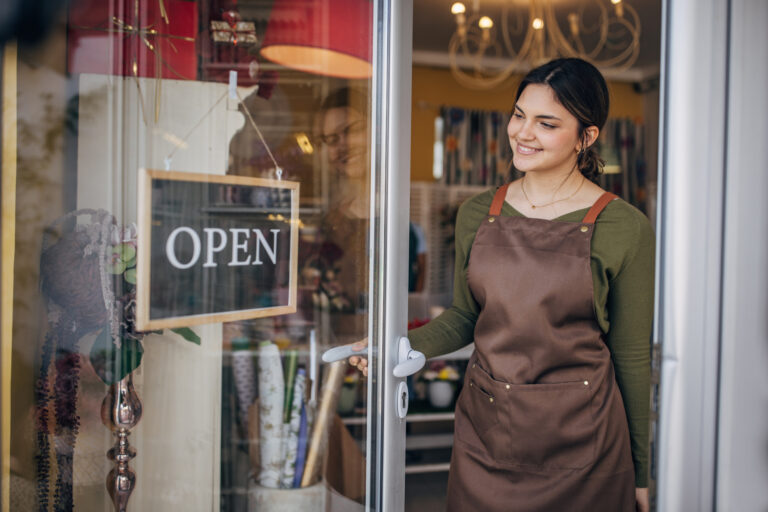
(409, 361)
(342, 352)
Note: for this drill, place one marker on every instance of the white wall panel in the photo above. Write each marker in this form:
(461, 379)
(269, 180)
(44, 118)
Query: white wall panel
(742, 469)
(690, 241)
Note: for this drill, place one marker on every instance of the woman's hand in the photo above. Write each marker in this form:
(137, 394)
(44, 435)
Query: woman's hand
(359, 361)
(641, 499)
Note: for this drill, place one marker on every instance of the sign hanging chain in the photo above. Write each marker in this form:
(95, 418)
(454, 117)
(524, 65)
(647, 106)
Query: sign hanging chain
(189, 133)
(278, 169)
(232, 92)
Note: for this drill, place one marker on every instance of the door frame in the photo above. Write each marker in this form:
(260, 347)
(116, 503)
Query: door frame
(692, 153)
(390, 192)
(8, 83)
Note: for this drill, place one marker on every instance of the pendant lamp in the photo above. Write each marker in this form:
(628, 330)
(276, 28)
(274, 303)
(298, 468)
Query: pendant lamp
(324, 37)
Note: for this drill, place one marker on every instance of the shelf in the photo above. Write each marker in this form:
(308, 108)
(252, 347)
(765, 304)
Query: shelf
(427, 468)
(428, 441)
(411, 418)
(430, 416)
(247, 209)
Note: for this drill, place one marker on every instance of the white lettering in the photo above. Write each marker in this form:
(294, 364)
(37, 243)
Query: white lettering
(239, 246)
(171, 252)
(210, 248)
(261, 240)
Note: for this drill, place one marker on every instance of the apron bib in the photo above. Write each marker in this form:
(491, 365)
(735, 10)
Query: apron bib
(540, 423)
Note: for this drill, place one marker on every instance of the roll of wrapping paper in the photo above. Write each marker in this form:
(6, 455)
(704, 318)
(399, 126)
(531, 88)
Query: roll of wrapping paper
(271, 393)
(291, 439)
(253, 436)
(291, 361)
(301, 450)
(245, 378)
(323, 420)
(289, 369)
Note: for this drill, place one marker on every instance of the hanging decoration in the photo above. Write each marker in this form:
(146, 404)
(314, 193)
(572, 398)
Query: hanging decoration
(605, 33)
(139, 38)
(142, 38)
(229, 44)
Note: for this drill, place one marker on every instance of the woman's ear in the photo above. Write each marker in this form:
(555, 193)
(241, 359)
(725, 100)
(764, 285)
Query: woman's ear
(589, 137)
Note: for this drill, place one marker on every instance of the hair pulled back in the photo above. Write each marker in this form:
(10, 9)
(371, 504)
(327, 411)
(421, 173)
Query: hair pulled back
(581, 89)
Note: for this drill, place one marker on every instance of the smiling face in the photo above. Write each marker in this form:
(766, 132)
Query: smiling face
(344, 133)
(543, 135)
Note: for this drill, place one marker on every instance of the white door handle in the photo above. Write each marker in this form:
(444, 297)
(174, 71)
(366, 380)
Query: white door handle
(409, 361)
(343, 352)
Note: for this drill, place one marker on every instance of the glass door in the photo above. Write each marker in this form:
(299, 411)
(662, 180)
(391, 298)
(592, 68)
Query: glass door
(204, 204)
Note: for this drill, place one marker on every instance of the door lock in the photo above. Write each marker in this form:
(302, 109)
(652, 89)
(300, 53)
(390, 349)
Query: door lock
(402, 400)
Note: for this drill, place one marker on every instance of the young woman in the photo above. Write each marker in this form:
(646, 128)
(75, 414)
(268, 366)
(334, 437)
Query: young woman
(554, 284)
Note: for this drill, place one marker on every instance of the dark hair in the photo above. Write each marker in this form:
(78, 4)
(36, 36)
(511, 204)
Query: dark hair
(581, 89)
(350, 97)
(345, 97)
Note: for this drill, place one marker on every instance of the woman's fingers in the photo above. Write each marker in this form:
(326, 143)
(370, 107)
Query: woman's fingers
(359, 362)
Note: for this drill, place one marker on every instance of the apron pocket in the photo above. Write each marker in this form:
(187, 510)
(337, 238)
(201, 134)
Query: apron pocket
(477, 412)
(547, 425)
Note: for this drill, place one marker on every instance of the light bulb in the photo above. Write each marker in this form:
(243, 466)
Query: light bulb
(537, 23)
(615, 2)
(458, 8)
(573, 21)
(485, 22)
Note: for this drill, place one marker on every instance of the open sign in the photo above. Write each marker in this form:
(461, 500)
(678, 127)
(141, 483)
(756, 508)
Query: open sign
(214, 248)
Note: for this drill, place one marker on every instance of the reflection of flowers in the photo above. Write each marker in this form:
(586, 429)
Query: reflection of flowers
(352, 376)
(417, 322)
(440, 370)
(117, 350)
(88, 278)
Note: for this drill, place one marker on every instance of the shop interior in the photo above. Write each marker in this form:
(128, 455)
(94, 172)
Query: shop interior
(89, 119)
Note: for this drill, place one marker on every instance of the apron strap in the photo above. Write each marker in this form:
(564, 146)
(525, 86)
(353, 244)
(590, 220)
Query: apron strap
(598, 207)
(498, 200)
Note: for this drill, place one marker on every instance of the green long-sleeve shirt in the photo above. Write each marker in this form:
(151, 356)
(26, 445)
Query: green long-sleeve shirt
(622, 261)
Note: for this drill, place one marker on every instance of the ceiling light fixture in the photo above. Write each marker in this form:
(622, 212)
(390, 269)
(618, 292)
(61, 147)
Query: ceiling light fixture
(603, 32)
(331, 38)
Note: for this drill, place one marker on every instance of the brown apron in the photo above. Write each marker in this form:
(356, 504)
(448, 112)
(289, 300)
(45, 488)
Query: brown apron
(540, 423)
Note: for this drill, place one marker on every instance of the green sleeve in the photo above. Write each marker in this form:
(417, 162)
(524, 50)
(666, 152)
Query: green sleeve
(455, 327)
(630, 310)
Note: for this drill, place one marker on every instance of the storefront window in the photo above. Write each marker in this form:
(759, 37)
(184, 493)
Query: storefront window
(192, 219)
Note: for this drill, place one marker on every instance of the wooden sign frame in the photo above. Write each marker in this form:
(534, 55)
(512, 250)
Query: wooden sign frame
(144, 251)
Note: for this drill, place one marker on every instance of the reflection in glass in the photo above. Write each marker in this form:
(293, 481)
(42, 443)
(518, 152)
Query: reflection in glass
(232, 415)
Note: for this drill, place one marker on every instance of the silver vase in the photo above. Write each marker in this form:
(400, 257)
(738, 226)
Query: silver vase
(120, 412)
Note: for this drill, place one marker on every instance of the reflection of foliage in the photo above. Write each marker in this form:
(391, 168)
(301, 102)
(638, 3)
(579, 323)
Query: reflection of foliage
(88, 278)
(117, 350)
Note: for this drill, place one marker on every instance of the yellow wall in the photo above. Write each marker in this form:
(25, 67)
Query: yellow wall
(433, 88)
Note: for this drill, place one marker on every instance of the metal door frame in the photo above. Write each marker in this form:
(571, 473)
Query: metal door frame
(390, 189)
(712, 223)
(690, 235)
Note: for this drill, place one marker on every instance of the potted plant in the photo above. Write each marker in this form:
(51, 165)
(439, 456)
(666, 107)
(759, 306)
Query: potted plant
(441, 378)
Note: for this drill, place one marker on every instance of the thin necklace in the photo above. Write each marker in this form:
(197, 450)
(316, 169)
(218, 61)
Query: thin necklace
(534, 206)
